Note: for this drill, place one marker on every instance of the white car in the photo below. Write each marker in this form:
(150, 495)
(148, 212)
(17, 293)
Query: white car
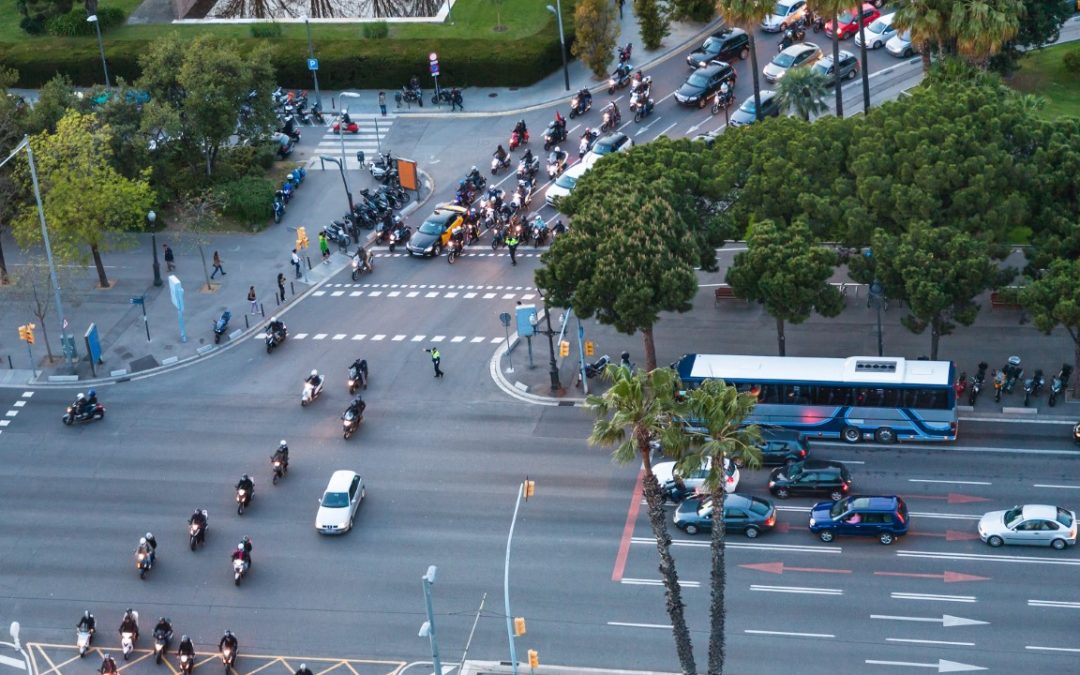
(565, 183)
(784, 14)
(339, 502)
(1029, 525)
(900, 46)
(878, 33)
(665, 475)
(613, 142)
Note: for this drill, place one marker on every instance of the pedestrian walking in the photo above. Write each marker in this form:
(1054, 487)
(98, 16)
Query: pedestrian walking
(170, 261)
(217, 266)
(324, 247)
(512, 244)
(296, 263)
(621, 3)
(382, 103)
(252, 300)
(455, 99)
(436, 358)
(281, 286)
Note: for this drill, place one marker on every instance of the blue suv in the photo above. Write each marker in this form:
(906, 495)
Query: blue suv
(860, 516)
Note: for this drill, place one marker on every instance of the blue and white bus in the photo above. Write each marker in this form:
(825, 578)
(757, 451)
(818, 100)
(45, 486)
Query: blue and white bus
(858, 398)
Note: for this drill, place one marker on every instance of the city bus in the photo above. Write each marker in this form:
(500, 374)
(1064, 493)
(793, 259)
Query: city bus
(885, 399)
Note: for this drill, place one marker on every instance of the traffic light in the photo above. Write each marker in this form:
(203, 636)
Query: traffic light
(530, 489)
(27, 333)
(564, 348)
(519, 626)
(301, 238)
(534, 659)
(590, 348)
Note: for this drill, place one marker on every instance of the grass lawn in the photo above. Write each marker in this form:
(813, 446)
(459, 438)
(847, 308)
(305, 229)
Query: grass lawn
(471, 19)
(1043, 73)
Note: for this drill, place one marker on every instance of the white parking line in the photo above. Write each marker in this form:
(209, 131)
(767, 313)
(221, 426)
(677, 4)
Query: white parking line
(1057, 487)
(1060, 604)
(1070, 650)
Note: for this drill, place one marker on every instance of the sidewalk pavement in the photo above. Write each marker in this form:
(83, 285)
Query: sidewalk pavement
(505, 668)
(248, 259)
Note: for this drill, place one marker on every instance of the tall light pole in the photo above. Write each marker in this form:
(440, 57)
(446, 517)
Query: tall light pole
(101, 45)
(150, 218)
(312, 61)
(877, 297)
(428, 628)
(557, 11)
(556, 386)
(526, 490)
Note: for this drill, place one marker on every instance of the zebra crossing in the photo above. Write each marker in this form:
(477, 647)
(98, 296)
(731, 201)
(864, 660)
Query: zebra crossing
(386, 337)
(373, 130)
(469, 253)
(444, 291)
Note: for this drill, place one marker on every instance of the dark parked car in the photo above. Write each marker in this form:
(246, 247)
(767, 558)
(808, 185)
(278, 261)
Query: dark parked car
(811, 477)
(885, 518)
(725, 45)
(770, 107)
(780, 446)
(749, 515)
(704, 83)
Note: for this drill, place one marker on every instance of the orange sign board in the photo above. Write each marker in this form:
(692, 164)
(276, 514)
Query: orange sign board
(407, 174)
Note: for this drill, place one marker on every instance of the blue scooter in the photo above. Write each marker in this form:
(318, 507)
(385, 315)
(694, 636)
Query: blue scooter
(221, 325)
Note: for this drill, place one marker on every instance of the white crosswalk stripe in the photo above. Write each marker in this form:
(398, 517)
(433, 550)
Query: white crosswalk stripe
(446, 291)
(373, 130)
(360, 337)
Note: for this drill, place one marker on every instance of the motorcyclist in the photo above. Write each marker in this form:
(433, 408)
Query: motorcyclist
(362, 258)
(152, 541)
(304, 670)
(86, 622)
(91, 399)
(314, 379)
(79, 406)
(163, 629)
(474, 177)
(361, 368)
(245, 483)
(246, 543)
(144, 549)
(500, 153)
(199, 517)
(584, 97)
(107, 665)
(788, 39)
(414, 83)
(276, 327)
(282, 455)
(527, 158)
(560, 124)
(622, 70)
(520, 129)
(357, 406)
(242, 555)
(614, 110)
(228, 640)
(130, 624)
(185, 648)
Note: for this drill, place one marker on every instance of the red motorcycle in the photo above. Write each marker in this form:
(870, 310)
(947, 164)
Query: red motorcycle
(344, 121)
(516, 139)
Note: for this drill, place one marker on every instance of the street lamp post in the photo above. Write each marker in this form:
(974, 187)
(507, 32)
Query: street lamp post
(877, 297)
(556, 386)
(101, 45)
(557, 11)
(150, 218)
(428, 628)
(311, 56)
(341, 166)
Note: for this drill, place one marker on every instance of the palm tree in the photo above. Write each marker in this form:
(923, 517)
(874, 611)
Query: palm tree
(862, 66)
(928, 22)
(981, 27)
(747, 14)
(722, 411)
(803, 91)
(833, 8)
(637, 408)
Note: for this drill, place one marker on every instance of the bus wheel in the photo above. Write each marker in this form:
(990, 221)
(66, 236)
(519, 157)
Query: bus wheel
(885, 435)
(851, 434)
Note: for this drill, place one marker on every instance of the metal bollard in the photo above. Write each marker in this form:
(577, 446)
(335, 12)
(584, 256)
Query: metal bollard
(308, 259)
(246, 324)
(9, 363)
(292, 289)
(262, 310)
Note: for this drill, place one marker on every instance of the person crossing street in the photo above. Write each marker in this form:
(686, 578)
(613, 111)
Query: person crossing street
(436, 358)
(512, 244)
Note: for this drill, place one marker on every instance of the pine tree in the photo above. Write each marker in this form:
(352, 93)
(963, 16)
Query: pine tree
(654, 23)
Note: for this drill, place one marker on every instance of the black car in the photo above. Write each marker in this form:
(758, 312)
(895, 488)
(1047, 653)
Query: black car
(811, 477)
(725, 45)
(431, 238)
(780, 446)
(742, 513)
(704, 82)
(770, 107)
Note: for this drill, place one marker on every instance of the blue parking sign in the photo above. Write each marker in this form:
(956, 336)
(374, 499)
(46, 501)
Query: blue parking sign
(313, 64)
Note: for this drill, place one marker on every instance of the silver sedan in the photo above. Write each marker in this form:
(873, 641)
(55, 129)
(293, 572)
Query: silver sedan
(1030, 525)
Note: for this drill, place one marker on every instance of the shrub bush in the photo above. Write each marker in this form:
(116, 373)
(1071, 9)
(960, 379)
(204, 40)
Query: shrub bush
(375, 30)
(74, 23)
(238, 161)
(33, 25)
(1072, 60)
(270, 29)
(247, 199)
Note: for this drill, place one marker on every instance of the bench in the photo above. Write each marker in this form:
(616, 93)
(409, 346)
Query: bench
(724, 293)
(1006, 299)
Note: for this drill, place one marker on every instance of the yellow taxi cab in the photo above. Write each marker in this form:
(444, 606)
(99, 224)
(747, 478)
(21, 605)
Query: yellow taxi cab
(431, 237)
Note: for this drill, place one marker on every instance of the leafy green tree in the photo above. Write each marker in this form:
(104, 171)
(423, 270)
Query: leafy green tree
(624, 261)
(1053, 299)
(43, 8)
(832, 9)
(55, 98)
(938, 271)
(638, 408)
(1054, 172)
(1040, 25)
(13, 120)
(698, 11)
(928, 21)
(596, 27)
(982, 27)
(722, 411)
(86, 201)
(747, 14)
(803, 91)
(653, 22)
(784, 269)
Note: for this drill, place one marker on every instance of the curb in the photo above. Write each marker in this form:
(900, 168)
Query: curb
(235, 338)
(506, 667)
(514, 391)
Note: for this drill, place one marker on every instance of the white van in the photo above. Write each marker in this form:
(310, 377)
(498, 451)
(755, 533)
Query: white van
(879, 32)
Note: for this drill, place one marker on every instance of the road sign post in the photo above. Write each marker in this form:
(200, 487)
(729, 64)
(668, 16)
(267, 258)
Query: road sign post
(505, 319)
(433, 64)
(141, 301)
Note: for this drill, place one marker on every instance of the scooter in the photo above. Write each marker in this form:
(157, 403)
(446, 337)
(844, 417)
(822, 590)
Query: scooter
(274, 340)
(977, 383)
(83, 638)
(278, 205)
(644, 109)
(311, 391)
(498, 165)
(196, 535)
(350, 422)
(161, 644)
(221, 325)
(243, 500)
(97, 413)
(359, 268)
(620, 77)
(348, 125)
(528, 168)
(382, 167)
(553, 135)
(579, 104)
(240, 569)
(1059, 382)
(127, 639)
(597, 367)
(358, 377)
(517, 139)
(610, 120)
(187, 664)
(143, 564)
(399, 235)
(1032, 386)
(624, 52)
(556, 163)
(279, 469)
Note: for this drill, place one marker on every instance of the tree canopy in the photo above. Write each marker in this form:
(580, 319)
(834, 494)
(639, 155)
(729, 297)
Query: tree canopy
(595, 30)
(1053, 299)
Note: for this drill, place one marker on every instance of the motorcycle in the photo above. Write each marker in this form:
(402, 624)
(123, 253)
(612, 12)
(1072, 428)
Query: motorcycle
(538, 233)
(553, 135)
(383, 167)
(977, 383)
(643, 110)
(1058, 384)
(311, 391)
(221, 325)
(357, 378)
(161, 644)
(240, 569)
(286, 191)
(523, 194)
(243, 500)
(478, 182)
(359, 268)
(278, 205)
(624, 52)
(722, 100)
(517, 139)
(498, 165)
(350, 422)
(409, 96)
(279, 470)
(586, 143)
(343, 122)
(498, 236)
(1013, 373)
(196, 535)
(187, 664)
(611, 120)
(620, 77)
(528, 168)
(597, 367)
(1032, 386)
(298, 175)
(83, 638)
(580, 103)
(556, 163)
(400, 234)
(127, 643)
(274, 340)
(95, 413)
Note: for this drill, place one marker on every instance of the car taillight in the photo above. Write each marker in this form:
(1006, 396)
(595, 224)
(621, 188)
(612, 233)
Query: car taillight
(802, 453)
(845, 487)
(771, 520)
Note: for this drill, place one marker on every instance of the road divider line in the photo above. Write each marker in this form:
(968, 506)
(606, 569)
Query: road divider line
(949, 482)
(1070, 650)
(931, 642)
(1054, 603)
(792, 548)
(941, 665)
(1056, 487)
(977, 557)
(798, 590)
(932, 597)
(789, 634)
(658, 582)
(624, 624)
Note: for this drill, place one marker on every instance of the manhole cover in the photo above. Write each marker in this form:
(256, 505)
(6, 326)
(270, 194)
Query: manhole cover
(145, 363)
(493, 94)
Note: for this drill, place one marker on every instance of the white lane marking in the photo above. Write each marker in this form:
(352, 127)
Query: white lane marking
(664, 626)
(488, 296)
(438, 338)
(19, 404)
(298, 336)
(1028, 560)
(359, 336)
(318, 293)
(1014, 420)
(14, 663)
(354, 294)
(393, 294)
(949, 482)
(418, 338)
(508, 296)
(932, 596)
(646, 127)
(374, 294)
(477, 339)
(1060, 604)
(431, 294)
(27, 394)
(666, 129)
(469, 295)
(319, 336)
(412, 294)
(920, 514)
(931, 642)
(457, 338)
(335, 294)
(4, 423)
(377, 338)
(798, 590)
(527, 296)
(1070, 650)
(788, 634)
(1056, 487)
(496, 340)
(339, 336)
(791, 548)
(398, 338)
(941, 665)
(451, 294)
(659, 582)
(946, 620)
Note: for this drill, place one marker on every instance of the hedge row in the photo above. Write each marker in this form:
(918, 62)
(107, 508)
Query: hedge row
(343, 64)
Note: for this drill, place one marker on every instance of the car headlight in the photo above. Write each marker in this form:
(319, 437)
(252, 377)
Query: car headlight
(812, 521)
(772, 483)
(429, 249)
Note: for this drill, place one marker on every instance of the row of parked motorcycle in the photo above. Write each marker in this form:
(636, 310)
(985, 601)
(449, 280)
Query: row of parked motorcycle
(1006, 379)
(284, 194)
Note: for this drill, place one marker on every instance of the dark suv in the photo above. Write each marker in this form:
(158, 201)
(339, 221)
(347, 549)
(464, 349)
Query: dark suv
(810, 478)
(726, 45)
(704, 82)
(780, 446)
(885, 518)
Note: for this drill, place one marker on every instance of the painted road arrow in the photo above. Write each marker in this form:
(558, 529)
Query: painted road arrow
(942, 665)
(947, 576)
(949, 535)
(946, 620)
(780, 568)
(952, 498)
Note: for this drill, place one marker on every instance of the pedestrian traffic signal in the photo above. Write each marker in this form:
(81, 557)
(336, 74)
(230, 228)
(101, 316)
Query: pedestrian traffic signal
(590, 348)
(27, 333)
(301, 238)
(534, 659)
(519, 626)
(564, 348)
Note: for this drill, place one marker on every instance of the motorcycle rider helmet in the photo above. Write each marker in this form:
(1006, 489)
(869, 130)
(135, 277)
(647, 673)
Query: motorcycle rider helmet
(80, 396)
(314, 373)
(245, 477)
(474, 169)
(240, 547)
(183, 638)
(91, 393)
(142, 542)
(203, 513)
(228, 633)
(303, 666)
(162, 619)
(1014, 360)
(86, 614)
(724, 88)
(149, 536)
(129, 611)
(273, 319)
(283, 443)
